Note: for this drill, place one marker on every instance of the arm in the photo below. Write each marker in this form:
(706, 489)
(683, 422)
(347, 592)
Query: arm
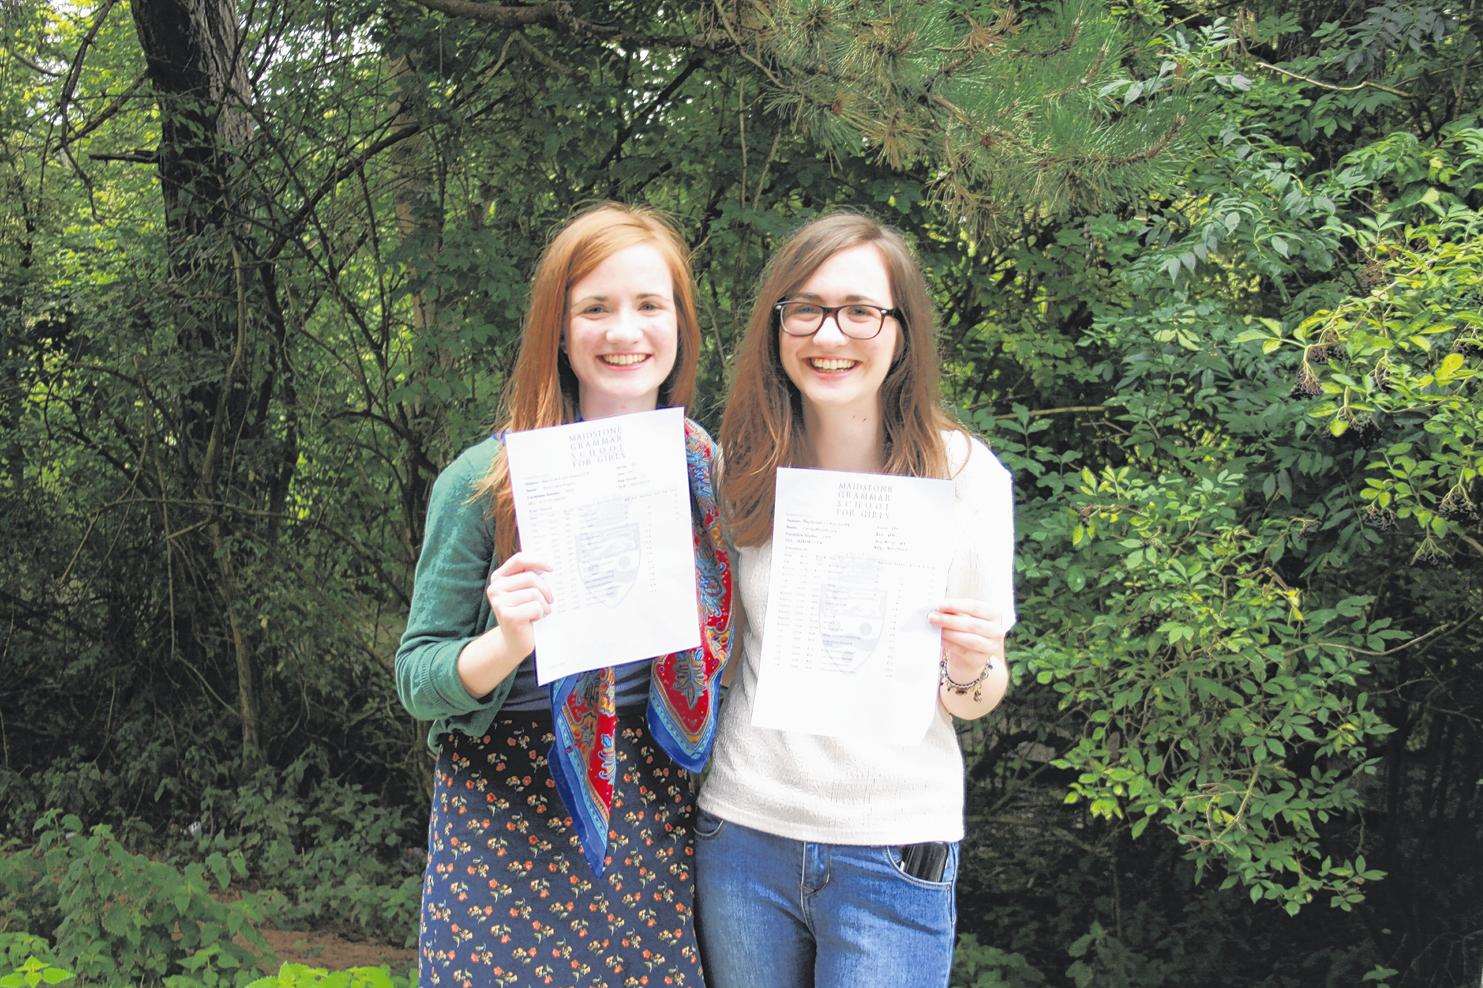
(975, 619)
(972, 652)
(518, 597)
(433, 678)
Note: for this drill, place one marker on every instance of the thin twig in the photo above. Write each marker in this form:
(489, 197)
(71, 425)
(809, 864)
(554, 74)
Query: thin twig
(1365, 84)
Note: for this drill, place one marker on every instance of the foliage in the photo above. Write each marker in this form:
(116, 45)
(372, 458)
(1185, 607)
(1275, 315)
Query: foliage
(126, 917)
(330, 850)
(977, 965)
(1009, 114)
(1395, 361)
(1219, 707)
(302, 976)
(32, 972)
(26, 960)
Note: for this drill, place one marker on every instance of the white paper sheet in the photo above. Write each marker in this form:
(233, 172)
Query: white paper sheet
(858, 562)
(607, 504)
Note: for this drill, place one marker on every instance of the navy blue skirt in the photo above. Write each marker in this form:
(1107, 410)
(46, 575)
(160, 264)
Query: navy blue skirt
(507, 897)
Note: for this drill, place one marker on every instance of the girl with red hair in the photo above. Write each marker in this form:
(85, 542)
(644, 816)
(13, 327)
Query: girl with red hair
(559, 847)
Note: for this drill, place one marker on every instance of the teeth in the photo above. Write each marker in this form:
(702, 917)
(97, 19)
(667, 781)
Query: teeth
(624, 359)
(831, 363)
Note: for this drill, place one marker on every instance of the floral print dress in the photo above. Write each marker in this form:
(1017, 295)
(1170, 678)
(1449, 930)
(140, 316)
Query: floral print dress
(508, 897)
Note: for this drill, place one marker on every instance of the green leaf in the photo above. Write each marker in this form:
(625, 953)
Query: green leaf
(220, 869)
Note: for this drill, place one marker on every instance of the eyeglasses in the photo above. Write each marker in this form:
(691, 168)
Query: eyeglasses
(857, 320)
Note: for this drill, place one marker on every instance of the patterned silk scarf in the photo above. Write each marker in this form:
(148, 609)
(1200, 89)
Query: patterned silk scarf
(683, 686)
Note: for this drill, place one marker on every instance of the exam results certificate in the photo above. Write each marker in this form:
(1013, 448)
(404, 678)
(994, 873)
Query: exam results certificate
(607, 504)
(858, 562)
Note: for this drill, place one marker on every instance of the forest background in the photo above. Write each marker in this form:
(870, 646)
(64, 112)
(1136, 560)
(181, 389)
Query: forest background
(1209, 276)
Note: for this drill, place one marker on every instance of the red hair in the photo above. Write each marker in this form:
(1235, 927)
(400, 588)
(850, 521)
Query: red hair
(542, 389)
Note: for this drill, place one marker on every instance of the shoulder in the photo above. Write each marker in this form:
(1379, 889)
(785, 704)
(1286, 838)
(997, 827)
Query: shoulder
(696, 438)
(701, 448)
(460, 477)
(971, 462)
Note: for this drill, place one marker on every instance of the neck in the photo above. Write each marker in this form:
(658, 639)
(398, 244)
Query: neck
(847, 440)
(592, 406)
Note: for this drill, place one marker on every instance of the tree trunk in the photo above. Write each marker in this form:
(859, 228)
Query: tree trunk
(194, 58)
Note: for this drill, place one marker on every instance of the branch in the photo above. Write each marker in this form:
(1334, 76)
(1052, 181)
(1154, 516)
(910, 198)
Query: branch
(1405, 645)
(642, 116)
(290, 229)
(75, 71)
(103, 115)
(1038, 412)
(34, 67)
(137, 157)
(1366, 84)
(559, 14)
(69, 85)
(489, 13)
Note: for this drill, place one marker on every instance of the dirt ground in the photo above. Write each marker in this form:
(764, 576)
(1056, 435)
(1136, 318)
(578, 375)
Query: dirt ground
(335, 953)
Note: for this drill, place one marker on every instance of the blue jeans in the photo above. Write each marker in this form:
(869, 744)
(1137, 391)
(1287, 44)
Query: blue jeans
(773, 912)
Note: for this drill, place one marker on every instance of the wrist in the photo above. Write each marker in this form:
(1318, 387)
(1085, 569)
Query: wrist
(963, 669)
(958, 686)
(485, 662)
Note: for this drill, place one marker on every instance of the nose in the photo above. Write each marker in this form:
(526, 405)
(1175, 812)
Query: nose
(829, 332)
(624, 327)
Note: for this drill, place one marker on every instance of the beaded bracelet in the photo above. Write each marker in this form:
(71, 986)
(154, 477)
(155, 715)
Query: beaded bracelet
(963, 689)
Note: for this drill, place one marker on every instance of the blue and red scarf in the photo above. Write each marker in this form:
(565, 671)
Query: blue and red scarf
(683, 687)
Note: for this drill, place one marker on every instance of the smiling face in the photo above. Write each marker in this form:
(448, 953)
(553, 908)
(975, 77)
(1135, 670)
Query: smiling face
(834, 372)
(622, 332)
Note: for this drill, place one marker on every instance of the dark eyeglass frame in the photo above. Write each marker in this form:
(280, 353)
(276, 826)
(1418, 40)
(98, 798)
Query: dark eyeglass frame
(833, 310)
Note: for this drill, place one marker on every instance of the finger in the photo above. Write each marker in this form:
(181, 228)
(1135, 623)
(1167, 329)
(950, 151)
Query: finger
(964, 622)
(524, 597)
(526, 613)
(967, 642)
(528, 579)
(973, 606)
(522, 561)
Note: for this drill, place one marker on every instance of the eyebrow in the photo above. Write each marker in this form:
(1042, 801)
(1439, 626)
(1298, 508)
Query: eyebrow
(814, 296)
(608, 298)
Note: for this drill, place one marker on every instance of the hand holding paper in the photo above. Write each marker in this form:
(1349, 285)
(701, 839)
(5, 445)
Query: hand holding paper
(519, 595)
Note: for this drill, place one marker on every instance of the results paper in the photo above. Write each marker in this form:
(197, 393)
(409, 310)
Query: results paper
(607, 504)
(858, 562)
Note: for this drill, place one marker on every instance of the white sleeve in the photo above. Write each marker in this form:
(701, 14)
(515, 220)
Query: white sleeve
(984, 566)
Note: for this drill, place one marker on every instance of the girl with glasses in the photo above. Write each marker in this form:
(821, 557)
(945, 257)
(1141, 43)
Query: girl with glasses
(559, 848)
(824, 861)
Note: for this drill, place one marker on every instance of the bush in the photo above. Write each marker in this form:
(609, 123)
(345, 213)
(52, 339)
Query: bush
(296, 975)
(336, 855)
(124, 918)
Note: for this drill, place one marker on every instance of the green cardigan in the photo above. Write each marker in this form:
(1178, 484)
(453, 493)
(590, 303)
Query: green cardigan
(449, 607)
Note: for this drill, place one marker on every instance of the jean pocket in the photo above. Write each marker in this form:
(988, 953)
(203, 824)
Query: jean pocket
(892, 854)
(707, 825)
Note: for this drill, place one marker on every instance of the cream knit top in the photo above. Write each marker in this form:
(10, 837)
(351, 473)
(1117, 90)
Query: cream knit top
(832, 790)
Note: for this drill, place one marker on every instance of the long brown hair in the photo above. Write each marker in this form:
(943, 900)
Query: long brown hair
(762, 427)
(542, 390)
